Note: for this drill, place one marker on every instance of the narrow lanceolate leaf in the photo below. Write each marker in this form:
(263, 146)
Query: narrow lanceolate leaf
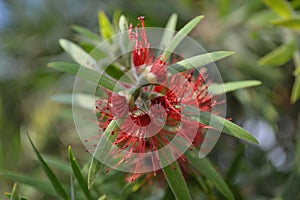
(37, 183)
(78, 54)
(14, 193)
(87, 74)
(292, 23)
(77, 99)
(168, 194)
(295, 96)
(78, 175)
(72, 189)
(106, 142)
(216, 89)
(86, 33)
(116, 73)
(94, 171)
(104, 25)
(205, 167)
(102, 150)
(171, 46)
(297, 71)
(281, 7)
(176, 181)
(169, 31)
(198, 61)
(223, 125)
(51, 176)
(279, 56)
(10, 194)
(123, 24)
(103, 197)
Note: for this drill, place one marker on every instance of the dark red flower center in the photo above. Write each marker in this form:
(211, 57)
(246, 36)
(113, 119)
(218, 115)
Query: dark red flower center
(141, 120)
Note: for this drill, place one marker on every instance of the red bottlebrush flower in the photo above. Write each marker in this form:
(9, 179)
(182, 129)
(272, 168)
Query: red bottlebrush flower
(141, 54)
(118, 104)
(159, 69)
(149, 130)
(141, 47)
(158, 118)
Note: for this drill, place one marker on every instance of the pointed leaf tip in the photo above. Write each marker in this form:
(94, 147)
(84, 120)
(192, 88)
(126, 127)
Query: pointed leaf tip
(78, 175)
(181, 34)
(50, 174)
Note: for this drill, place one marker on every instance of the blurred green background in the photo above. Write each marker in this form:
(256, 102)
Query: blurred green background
(29, 33)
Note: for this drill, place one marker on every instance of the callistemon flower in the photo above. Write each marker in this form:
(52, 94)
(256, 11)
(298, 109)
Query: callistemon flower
(152, 121)
(156, 117)
(142, 57)
(141, 47)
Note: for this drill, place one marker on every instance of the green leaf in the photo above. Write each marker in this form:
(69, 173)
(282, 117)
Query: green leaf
(297, 63)
(279, 56)
(14, 193)
(261, 18)
(168, 194)
(180, 36)
(292, 23)
(216, 89)
(281, 7)
(123, 25)
(297, 71)
(176, 181)
(103, 147)
(54, 180)
(72, 189)
(87, 74)
(205, 167)
(295, 96)
(118, 74)
(296, 90)
(78, 175)
(78, 54)
(103, 197)
(95, 52)
(10, 194)
(105, 143)
(223, 125)
(104, 25)
(86, 32)
(31, 181)
(169, 31)
(94, 171)
(79, 99)
(198, 61)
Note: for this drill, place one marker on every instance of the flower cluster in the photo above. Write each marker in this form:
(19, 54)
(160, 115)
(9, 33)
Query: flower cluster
(155, 114)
